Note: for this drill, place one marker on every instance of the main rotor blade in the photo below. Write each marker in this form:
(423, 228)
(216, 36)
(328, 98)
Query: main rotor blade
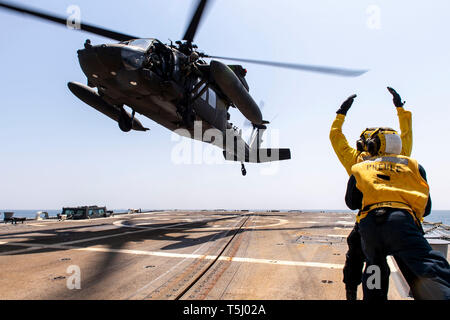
(304, 67)
(195, 21)
(85, 27)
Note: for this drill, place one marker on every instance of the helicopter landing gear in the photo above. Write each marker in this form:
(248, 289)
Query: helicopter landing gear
(125, 121)
(188, 117)
(244, 172)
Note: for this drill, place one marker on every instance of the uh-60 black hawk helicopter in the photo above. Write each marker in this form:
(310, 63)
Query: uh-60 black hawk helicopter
(173, 85)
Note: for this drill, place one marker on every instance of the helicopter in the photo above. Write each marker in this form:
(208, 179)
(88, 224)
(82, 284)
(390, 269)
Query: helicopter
(175, 86)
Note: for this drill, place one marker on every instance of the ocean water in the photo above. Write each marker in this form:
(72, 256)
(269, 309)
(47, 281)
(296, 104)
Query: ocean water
(439, 216)
(31, 214)
(435, 216)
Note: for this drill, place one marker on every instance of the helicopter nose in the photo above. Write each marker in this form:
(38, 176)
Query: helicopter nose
(99, 61)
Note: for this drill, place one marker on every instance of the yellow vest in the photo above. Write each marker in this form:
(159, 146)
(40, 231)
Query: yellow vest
(348, 156)
(391, 181)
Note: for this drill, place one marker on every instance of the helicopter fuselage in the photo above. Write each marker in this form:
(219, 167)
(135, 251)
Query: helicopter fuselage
(171, 84)
(159, 82)
(152, 82)
(180, 92)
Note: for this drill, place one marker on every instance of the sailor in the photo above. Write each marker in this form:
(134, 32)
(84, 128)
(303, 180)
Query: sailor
(349, 156)
(392, 194)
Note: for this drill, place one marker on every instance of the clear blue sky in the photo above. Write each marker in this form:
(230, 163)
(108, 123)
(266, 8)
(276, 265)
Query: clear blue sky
(56, 151)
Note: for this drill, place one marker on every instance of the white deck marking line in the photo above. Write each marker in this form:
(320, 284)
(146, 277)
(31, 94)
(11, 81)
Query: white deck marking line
(29, 248)
(143, 225)
(285, 262)
(133, 232)
(191, 256)
(169, 218)
(2, 242)
(347, 223)
(40, 246)
(175, 266)
(279, 223)
(43, 222)
(391, 264)
(330, 217)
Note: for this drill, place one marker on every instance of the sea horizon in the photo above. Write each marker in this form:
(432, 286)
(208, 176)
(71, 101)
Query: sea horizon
(442, 216)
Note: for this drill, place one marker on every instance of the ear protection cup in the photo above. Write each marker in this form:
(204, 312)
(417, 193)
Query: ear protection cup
(360, 144)
(373, 140)
(373, 145)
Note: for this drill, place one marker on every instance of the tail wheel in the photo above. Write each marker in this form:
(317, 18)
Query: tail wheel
(244, 172)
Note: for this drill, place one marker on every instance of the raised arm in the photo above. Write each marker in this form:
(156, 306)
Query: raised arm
(405, 121)
(346, 154)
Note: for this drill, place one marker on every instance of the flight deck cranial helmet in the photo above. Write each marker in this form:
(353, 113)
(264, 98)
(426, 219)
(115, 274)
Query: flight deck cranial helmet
(377, 141)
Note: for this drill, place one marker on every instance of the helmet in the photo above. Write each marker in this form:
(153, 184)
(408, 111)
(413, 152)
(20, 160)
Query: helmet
(378, 141)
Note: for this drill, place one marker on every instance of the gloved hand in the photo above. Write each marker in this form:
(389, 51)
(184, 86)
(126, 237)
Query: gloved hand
(397, 99)
(346, 105)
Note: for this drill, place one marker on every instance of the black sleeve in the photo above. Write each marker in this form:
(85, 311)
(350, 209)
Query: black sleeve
(424, 176)
(353, 197)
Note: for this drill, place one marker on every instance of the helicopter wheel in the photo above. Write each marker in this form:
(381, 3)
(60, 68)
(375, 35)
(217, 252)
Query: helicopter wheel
(244, 172)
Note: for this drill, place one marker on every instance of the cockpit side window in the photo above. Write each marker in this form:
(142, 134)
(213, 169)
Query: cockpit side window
(141, 43)
(212, 99)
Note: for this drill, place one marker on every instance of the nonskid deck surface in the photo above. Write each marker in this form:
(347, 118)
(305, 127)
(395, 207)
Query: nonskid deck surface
(180, 255)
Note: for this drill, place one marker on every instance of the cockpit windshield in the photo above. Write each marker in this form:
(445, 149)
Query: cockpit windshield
(140, 43)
